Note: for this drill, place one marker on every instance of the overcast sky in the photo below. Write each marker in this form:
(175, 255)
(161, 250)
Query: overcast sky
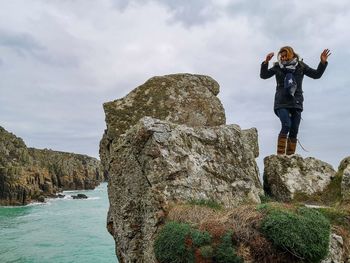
(61, 59)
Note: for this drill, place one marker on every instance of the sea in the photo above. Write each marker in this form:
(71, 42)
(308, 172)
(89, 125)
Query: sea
(62, 230)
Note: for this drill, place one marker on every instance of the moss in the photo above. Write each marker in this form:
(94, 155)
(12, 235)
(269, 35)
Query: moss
(304, 233)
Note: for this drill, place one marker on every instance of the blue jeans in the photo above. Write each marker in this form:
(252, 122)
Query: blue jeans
(290, 120)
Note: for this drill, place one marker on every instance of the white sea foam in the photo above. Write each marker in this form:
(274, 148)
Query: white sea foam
(38, 203)
(94, 198)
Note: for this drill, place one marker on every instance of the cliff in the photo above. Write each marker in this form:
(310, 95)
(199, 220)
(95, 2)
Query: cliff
(28, 174)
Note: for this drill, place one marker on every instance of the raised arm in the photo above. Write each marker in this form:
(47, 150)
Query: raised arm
(265, 72)
(317, 73)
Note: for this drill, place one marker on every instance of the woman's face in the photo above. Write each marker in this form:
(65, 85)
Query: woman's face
(284, 56)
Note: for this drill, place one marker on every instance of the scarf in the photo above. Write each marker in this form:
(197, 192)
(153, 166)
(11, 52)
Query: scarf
(289, 67)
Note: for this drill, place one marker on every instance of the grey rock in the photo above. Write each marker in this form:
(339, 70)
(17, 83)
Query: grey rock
(344, 171)
(79, 196)
(336, 250)
(286, 175)
(41, 199)
(179, 98)
(157, 163)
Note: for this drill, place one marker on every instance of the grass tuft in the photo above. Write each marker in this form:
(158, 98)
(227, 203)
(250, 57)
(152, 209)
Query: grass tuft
(170, 245)
(225, 252)
(177, 243)
(304, 233)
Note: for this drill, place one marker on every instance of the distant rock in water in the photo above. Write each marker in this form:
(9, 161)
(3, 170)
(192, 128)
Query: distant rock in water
(285, 176)
(79, 196)
(178, 98)
(28, 173)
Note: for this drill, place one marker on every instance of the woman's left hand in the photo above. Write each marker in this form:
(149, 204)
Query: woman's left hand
(324, 55)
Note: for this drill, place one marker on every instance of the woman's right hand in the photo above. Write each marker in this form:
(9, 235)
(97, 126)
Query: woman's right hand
(269, 57)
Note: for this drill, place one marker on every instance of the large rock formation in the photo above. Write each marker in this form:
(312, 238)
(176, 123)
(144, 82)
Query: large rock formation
(285, 176)
(27, 173)
(179, 98)
(157, 163)
(180, 152)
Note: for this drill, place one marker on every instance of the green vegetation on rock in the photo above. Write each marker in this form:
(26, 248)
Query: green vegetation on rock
(200, 238)
(329, 196)
(180, 243)
(304, 233)
(225, 252)
(170, 245)
(207, 251)
(336, 216)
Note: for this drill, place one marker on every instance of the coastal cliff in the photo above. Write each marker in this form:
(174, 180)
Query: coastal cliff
(28, 174)
(184, 187)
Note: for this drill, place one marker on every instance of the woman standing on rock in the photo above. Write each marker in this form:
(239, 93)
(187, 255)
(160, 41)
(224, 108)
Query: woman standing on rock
(289, 72)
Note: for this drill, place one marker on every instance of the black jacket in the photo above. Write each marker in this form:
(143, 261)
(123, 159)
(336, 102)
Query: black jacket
(282, 98)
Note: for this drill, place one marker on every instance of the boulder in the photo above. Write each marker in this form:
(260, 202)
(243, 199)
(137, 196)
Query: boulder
(179, 98)
(79, 196)
(41, 199)
(344, 172)
(285, 176)
(157, 163)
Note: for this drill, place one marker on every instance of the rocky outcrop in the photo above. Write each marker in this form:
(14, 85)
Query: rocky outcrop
(179, 98)
(156, 163)
(28, 174)
(79, 196)
(344, 172)
(286, 176)
(68, 170)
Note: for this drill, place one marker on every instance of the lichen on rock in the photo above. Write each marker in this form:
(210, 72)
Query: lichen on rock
(285, 176)
(156, 163)
(180, 98)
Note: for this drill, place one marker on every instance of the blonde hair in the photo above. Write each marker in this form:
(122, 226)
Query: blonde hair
(290, 53)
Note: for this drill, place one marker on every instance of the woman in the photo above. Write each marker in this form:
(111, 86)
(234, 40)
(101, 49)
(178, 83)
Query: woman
(289, 72)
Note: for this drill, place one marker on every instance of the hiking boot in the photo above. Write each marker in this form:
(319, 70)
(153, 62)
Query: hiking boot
(281, 144)
(291, 146)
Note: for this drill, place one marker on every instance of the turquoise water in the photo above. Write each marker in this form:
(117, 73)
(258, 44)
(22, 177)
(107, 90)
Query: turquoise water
(60, 231)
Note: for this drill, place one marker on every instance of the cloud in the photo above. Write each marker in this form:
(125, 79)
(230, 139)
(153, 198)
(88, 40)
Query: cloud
(60, 60)
(20, 43)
